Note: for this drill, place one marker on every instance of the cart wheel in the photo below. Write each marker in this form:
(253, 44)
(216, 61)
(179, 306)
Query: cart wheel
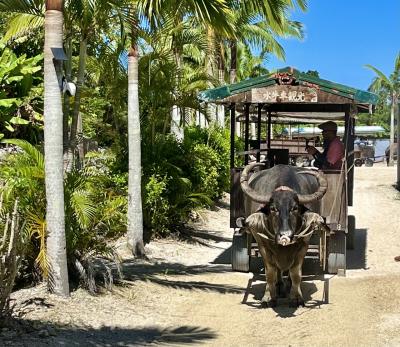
(337, 253)
(351, 228)
(369, 162)
(240, 253)
(358, 162)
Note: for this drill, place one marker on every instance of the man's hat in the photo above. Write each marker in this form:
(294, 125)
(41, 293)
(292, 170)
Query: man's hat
(328, 126)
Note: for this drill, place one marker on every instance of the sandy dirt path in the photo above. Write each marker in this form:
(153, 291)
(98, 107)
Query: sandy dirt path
(186, 293)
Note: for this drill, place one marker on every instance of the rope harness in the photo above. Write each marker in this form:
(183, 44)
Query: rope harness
(311, 222)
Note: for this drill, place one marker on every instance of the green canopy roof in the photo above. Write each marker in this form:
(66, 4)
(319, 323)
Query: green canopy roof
(239, 92)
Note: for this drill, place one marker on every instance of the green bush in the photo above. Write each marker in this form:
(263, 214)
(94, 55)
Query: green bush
(11, 251)
(169, 191)
(218, 139)
(205, 171)
(95, 209)
(157, 208)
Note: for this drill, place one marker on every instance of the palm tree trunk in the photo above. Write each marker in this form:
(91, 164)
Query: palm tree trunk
(53, 148)
(221, 79)
(176, 114)
(135, 214)
(210, 67)
(77, 101)
(232, 72)
(392, 111)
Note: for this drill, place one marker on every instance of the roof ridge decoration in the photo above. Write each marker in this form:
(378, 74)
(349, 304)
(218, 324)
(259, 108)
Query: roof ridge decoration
(285, 78)
(288, 76)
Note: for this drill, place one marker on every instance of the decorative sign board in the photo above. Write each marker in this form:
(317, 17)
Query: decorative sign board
(284, 93)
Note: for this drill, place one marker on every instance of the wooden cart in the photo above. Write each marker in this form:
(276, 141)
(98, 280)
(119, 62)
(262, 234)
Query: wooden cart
(290, 97)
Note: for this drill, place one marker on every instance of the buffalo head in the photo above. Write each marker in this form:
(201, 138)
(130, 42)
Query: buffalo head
(281, 216)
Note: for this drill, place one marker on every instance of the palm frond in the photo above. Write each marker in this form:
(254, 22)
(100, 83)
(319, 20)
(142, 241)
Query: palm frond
(36, 228)
(33, 7)
(29, 149)
(381, 81)
(83, 207)
(23, 24)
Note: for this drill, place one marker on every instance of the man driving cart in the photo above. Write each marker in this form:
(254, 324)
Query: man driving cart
(331, 157)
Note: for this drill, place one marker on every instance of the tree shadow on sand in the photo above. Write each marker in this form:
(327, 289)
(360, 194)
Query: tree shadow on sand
(202, 237)
(163, 273)
(105, 336)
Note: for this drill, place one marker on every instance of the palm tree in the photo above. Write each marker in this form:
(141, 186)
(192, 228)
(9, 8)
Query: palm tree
(92, 17)
(391, 85)
(258, 23)
(53, 148)
(208, 11)
(135, 214)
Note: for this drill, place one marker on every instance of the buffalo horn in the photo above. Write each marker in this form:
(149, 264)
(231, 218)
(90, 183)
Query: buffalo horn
(250, 192)
(323, 185)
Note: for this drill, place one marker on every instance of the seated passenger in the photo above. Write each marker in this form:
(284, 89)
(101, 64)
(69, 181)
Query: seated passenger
(331, 157)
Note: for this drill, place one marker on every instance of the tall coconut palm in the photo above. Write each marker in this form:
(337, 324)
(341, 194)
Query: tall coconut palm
(135, 214)
(92, 18)
(208, 11)
(53, 148)
(390, 84)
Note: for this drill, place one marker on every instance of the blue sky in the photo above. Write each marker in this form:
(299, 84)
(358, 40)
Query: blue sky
(341, 36)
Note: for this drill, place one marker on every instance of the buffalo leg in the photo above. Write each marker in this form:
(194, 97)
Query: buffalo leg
(270, 290)
(295, 297)
(280, 285)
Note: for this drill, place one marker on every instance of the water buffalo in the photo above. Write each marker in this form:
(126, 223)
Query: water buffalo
(281, 223)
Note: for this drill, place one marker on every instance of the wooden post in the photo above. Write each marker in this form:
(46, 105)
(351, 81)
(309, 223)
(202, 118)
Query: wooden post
(349, 143)
(233, 123)
(269, 130)
(260, 106)
(246, 132)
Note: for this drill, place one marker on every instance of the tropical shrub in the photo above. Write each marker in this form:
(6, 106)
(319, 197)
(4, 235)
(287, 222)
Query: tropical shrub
(156, 205)
(10, 254)
(217, 161)
(21, 99)
(204, 173)
(169, 195)
(94, 211)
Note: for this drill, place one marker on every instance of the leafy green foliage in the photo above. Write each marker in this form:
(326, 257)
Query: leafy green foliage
(211, 158)
(95, 207)
(181, 177)
(20, 93)
(205, 170)
(156, 204)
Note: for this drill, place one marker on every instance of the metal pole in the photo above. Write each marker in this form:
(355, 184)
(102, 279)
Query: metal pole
(233, 123)
(246, 134)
